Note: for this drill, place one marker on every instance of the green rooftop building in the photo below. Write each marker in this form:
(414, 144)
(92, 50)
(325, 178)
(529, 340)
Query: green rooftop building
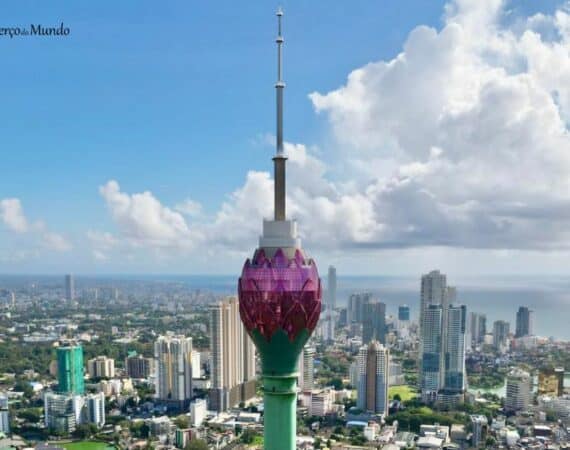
(70, 371)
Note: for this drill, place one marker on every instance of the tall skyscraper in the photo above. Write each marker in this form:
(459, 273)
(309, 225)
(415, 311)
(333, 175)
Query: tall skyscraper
(519, 390)
(373, 366)
(454, 375)
(173, 362)
(70, 370)
(69, 288)
(306, 369)
(374, 322)
(280, 300)
(478, 327)
(356, 305)
(433, 289)
(404, 313)
(500, 333)
(233, 357)
(442, 341)
(4, 414)
(524, 322)
(331, 304)
(432, 355)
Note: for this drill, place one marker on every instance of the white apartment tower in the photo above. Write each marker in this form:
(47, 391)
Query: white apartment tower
(173, 365)
(233, 357)
(306, 369)
(519, 392)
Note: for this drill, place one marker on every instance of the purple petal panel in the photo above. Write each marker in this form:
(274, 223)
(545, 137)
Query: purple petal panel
(279, 293)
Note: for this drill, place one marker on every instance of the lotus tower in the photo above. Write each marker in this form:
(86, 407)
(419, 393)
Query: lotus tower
(279, 299)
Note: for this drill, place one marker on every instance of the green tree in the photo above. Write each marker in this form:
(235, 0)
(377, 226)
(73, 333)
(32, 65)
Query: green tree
(197, 444)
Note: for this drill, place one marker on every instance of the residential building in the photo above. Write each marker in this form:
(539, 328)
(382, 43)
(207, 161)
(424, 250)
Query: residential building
(479, 426)
(182, 438)
(454, 353)
(356, 304)
(198, 412)
(95, 409)
(373, 366)
(139, 367)
(321, 402)
(196, 365)
(173, 380)
(519, 390)
(501, 331)
(4, 414)
(101, 367)
(306, 369)
(478, 327)
(551, 381)
(70, 371)
(62, 412)
(232, 356)
(432, 355)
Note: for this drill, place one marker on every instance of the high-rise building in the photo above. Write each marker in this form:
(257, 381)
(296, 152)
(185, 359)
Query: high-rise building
(279, 299)
(478, 327)
(196, 365)
(139, 366)
(69, 288)
(373, 366)
(70, 371)
(524, 322)
(432, 354)
(501, 331)
(519, 390)
(356, 305)
(331, 303)
(62, 412)
(374, 322)
(173, 356)
(306, 369)
(479, 426)
(442, 341)
(454, 356)
(433, 290)
(233, 357)
(551, 382)
(4, 414)
(198, 412)
(101, 367)
(404, 313)
(95, 409)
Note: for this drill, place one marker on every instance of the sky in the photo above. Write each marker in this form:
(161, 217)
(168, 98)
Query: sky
(419, 135)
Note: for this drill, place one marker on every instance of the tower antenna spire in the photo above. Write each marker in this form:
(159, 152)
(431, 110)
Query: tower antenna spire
(279, 158)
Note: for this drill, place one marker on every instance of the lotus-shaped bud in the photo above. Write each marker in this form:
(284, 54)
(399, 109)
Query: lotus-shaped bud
(279, 293)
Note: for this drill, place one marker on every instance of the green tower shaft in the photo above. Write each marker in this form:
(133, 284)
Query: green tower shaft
(280, 411)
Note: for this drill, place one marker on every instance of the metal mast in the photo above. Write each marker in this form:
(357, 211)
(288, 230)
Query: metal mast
(279, 158)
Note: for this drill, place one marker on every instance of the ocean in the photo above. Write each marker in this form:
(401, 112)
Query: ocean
(497, 297)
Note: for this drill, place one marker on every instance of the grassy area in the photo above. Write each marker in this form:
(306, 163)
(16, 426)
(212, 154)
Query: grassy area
(404, 391)
(257, 441)
(87, 445)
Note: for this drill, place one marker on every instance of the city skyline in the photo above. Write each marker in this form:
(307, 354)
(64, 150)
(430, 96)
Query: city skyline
(134, 210)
